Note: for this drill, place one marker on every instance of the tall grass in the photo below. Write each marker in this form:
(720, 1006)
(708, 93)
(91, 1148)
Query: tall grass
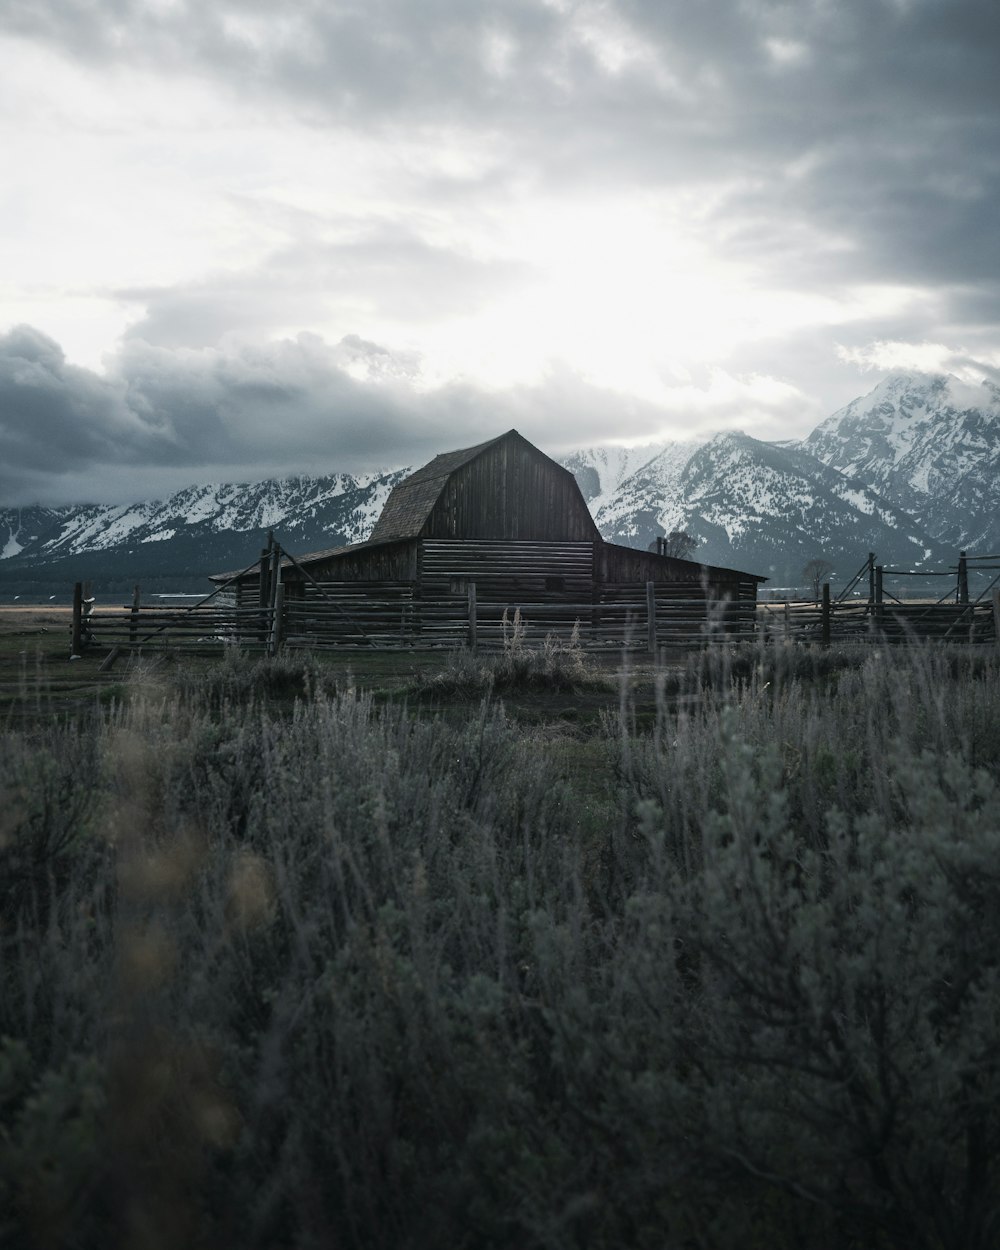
(559, 665)
(340, 976)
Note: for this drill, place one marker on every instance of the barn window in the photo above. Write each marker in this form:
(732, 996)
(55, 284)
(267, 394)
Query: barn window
(555, 583)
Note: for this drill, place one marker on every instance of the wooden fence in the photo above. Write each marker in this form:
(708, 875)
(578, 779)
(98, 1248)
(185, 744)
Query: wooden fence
(641, 617)
(888, 622)
(454, 611)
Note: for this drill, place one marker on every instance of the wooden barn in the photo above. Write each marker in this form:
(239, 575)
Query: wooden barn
(492, 529)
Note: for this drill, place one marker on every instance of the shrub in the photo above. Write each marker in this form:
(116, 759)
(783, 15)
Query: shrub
(835, 999)
(342, 976)
(555, 666)
(240, 678)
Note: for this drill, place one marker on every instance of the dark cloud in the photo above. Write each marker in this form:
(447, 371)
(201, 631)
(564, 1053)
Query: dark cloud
(871, 120)
(163, 418)
(824, 144)
(182, 413)
(705, 71)
(55, 416)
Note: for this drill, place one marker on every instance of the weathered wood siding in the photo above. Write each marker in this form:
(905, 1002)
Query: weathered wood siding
(617, 565)
(511, 491)
(550, 584)
(384, 562)
(511, 572)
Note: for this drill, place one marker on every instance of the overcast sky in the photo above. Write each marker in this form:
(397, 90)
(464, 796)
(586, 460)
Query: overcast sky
(240, 238)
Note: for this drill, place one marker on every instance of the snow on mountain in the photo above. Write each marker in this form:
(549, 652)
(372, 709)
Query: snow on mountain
(929, 442)
(199, 530)
(911, 471)
(21, 527)
(599, 471)
(303, 505)
(645, 499)
(770, 509)
(763, 507)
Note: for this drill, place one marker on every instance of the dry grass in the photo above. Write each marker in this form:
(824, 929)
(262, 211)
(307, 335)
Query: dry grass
(333, 974)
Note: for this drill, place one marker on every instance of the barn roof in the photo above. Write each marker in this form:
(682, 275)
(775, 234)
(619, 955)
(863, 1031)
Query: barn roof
(412, 500)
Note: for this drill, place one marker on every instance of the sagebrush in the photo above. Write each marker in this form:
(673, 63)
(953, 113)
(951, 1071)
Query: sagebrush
(337, 974)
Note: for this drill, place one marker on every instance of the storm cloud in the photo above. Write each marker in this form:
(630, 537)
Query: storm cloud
(358, 233)
(161, 418)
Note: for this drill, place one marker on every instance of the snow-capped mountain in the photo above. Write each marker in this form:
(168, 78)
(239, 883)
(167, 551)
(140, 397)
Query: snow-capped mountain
(911, 471)
(197, 531)
(21, 528)
(771, 509)
(345, 505)
(930, 443)
(601, 470)
(638, 493)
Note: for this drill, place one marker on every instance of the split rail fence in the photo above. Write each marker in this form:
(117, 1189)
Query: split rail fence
(645, 617)
(638, 617)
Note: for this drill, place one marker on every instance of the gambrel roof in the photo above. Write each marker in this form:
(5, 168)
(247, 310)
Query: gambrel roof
(412, 500)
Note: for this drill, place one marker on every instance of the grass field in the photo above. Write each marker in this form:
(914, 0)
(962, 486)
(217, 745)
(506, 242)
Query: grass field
(421, 951)
(37, 676)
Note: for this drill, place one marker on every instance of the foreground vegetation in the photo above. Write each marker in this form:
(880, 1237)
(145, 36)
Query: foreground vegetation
(285, 966)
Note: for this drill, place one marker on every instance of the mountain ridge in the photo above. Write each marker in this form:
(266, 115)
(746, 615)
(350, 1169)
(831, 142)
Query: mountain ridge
(932, 443)
(910, 470)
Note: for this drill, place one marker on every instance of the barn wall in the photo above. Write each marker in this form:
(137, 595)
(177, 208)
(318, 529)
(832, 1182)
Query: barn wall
(515, 572)
(621, 565)
(511, 491)
(388, 562)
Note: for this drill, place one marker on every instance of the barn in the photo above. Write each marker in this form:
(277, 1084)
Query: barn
(478, 534)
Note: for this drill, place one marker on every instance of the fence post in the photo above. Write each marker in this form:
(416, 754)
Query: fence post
(651, 617)
(133, 620)
(996, 613)
(273, 582)
(878, 590)
(275, 574)
(963, 578)
(871, 581)
(279, 609)
(826, 614)
(263, 587)
(472, 616)
(76, 634)
(109, 660)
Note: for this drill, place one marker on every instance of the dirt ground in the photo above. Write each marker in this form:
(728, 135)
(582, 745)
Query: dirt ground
(36, 673)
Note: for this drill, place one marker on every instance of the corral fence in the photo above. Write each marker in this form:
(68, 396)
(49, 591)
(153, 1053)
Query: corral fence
(959, 603)
(830, 622)
(391, 615)
(623, 615)
(639, 616)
